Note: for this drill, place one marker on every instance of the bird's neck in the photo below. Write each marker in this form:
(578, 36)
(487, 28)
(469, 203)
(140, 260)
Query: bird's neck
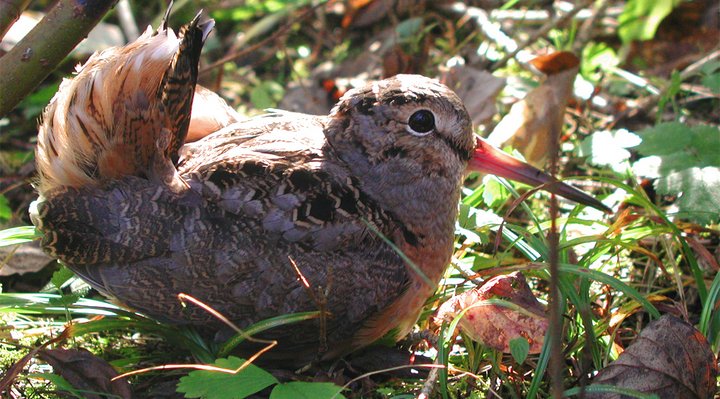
(424, 202)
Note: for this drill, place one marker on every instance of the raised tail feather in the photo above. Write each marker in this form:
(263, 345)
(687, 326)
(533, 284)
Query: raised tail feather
(127, 112)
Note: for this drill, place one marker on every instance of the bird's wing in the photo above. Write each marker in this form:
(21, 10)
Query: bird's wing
(256, 205)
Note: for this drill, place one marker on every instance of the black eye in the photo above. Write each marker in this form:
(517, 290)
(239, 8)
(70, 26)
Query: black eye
(421, 122)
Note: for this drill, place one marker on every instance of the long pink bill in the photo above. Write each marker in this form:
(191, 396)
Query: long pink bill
(488, 159)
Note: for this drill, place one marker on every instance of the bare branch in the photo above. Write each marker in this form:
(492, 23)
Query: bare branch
(10, 11)
(39, 53)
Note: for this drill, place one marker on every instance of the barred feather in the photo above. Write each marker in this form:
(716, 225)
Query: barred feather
(107, 122)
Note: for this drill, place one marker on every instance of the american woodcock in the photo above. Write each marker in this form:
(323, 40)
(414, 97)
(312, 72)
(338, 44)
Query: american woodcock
(224, 218)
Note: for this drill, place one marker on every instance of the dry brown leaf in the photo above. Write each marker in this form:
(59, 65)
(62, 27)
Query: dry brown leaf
(494, 325)
(16, 368)
(531, 122)
(361, 13)
(210, 113)
(86, 372)
(476, 88)
(669, 358)
(396, 61)
(23, 258)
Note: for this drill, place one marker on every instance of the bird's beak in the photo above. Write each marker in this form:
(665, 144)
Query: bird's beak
(488, 159)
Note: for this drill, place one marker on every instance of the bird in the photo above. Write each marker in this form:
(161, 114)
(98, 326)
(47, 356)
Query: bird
(360, 204)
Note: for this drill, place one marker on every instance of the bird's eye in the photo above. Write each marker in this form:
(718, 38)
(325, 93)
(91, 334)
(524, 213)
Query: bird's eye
(421, 122)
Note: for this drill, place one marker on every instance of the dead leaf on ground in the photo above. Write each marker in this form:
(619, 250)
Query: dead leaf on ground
(16, 368)
(23, 258)
(366, 13)
(669, 358)
(86, 372)
(476, 88)
(495, 325)
(531, 122)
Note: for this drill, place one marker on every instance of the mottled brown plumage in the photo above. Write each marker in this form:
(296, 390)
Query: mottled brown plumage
(324, 191)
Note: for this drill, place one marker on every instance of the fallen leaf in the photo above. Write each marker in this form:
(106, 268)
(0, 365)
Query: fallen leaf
(210, 113)
(16, 368)
(476, 88)
(86, 372)
(669, 358)
(496, 325)
(23, 258)
(532, 121)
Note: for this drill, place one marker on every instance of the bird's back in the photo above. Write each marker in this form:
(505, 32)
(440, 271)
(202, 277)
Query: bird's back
(263, 194)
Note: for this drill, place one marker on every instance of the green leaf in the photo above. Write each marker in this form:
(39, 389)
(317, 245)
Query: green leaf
(267, 94)
(712, 82)
(60, 383)
(664, 138)
(64, 300)
(680, 146)
(61, 276)
(597, 60)
(641, 18)
(699, 190)
(494, 194)
(519, 349)
(686, 162)
(33, 104)
(219, 385)
(606, 148)
(5, 211)
(306, 390)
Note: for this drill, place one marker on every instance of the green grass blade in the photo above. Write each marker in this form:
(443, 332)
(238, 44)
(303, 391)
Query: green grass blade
(18, 235)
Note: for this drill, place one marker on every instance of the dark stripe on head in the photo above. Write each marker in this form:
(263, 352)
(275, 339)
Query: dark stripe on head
(365, 106)
(463, 154)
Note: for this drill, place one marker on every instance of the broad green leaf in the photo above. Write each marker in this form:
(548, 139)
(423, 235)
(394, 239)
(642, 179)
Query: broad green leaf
(699, 190)
(219, 385)
(686, 162)
(306, 390)
(664, 138)
(267, 94)
(712, 82)
(606, 148)
(409, 27)
(61, 276)
(64, 300)
(641, 18)
(519, 349)
(706, 140)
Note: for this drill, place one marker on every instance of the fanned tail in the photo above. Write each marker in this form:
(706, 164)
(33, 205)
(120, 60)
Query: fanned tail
(126, 112)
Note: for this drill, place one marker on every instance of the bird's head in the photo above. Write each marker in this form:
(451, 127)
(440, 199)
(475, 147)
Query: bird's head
(411, 131)
(404, 128)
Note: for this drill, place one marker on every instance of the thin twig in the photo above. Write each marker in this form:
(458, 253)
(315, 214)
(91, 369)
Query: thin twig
(127, 21)
(650, 101)
(40, 52)
(429, 384)
(556, 356)
(250, 49)
(585, 32)
(542, 31)
(491, 29)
